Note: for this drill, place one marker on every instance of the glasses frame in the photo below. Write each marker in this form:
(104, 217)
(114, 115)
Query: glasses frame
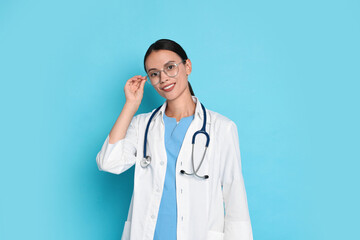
(162, 70)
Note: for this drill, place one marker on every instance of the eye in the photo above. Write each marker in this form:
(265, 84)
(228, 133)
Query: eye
(153, 74)
(170, 67)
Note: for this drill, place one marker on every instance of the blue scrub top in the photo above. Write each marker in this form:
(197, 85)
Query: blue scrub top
(167, 217)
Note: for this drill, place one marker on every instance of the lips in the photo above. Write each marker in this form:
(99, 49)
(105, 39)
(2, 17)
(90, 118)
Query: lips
(169, 87)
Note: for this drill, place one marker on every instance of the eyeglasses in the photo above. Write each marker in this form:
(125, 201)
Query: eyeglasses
(171, 69)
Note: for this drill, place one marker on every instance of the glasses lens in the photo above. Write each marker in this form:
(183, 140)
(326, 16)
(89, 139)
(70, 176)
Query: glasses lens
(154, 77)
(171, 69)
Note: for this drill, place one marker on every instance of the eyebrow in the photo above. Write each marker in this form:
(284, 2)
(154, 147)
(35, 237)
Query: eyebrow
(164, 65)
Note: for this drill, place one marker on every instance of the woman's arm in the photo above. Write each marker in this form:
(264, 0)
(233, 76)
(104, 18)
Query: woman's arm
(134, 89)
(122, 123)
(118, 152)
(237, 220)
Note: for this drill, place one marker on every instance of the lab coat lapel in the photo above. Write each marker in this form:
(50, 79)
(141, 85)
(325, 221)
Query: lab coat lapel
(156, 136)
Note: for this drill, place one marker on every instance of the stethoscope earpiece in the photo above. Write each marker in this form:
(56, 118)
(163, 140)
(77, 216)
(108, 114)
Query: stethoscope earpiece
(183, 172)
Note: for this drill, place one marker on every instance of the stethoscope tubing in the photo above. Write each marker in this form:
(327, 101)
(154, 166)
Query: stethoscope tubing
(147, 159)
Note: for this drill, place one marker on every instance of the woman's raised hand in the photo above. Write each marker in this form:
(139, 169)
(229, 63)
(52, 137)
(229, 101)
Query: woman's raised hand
(134, 89)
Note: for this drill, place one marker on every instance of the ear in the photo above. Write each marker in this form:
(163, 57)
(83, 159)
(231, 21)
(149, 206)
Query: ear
(188, 66)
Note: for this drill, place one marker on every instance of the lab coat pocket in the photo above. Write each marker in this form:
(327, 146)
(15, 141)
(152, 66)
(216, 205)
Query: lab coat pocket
(126, 231)
(214, 235)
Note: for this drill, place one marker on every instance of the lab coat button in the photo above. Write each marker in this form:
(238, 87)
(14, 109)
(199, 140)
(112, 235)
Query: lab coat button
(158, 190)
(162, 163)
(153, 216)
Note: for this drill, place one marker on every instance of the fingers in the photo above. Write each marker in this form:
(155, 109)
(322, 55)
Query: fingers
(135, 81)
(134, 88)
(143, 83)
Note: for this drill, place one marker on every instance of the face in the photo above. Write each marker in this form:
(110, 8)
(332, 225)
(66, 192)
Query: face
(169, 87)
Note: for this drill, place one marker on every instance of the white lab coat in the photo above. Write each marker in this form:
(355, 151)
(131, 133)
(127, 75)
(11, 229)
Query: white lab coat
(211, 209)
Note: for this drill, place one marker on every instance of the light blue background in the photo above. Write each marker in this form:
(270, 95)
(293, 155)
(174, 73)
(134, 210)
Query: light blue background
(286, 72)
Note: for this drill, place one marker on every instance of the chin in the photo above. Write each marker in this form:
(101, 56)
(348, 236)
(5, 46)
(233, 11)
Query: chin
(169, 96)
(173, 95)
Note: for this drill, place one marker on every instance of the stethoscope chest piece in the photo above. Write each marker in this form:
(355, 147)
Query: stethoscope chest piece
(145, 161)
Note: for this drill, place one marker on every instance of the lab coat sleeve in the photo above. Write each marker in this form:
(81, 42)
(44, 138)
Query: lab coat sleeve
(121, 155)
(237, 224)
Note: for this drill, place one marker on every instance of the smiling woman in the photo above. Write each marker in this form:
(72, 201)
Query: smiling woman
(186, 186)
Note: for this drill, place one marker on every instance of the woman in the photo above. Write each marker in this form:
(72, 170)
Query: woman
(181, 191)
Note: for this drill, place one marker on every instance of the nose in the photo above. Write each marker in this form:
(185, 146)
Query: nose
(163, 76)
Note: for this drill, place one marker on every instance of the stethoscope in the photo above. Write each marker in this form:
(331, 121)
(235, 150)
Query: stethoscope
(147, 159)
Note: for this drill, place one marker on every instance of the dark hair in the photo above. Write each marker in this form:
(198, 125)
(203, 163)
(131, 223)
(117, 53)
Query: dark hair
(167, 44)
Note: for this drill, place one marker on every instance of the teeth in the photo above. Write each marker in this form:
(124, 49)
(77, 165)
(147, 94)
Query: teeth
(169, 86)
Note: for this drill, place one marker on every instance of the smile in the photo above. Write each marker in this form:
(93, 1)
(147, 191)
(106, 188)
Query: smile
(169, 87)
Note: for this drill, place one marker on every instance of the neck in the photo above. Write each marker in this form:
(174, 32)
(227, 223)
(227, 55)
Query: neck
(181, 107)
